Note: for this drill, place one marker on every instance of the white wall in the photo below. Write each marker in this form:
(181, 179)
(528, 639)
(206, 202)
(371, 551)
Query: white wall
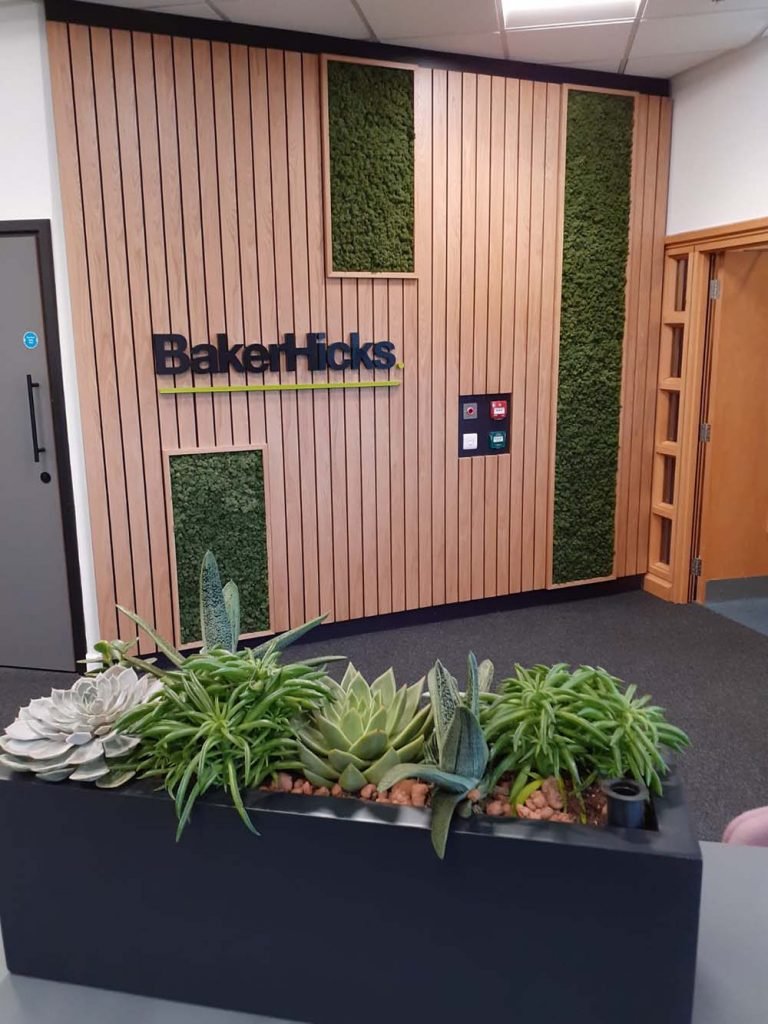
(719, 166)
(29, 190)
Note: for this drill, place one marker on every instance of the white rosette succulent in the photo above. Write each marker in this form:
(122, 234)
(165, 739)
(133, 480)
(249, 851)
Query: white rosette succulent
(71, 734)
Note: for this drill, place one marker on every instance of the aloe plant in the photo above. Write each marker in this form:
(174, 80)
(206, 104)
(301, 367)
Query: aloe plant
(460, 748)
(219, 608)
(364, 731)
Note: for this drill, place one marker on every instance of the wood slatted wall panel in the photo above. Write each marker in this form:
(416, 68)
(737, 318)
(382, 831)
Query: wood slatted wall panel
(192, 185)
(653, 126)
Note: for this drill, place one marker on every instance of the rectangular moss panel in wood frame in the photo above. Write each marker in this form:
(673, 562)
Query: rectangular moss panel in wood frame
(598, 170)
(218, 504)
(370, 149)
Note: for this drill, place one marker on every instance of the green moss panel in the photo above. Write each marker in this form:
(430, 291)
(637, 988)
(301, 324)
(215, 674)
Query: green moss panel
(218, 503)
(596, 226)
(370, 127)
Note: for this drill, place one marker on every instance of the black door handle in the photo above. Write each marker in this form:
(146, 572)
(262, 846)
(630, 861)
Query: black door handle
(31, 385)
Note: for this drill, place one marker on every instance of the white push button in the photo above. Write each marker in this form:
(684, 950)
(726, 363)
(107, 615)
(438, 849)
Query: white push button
(469, 442)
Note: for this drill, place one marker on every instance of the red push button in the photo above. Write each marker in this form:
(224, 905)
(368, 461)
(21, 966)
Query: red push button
(498, 410)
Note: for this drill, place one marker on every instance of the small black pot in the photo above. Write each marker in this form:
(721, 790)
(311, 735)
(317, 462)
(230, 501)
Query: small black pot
(627, 802)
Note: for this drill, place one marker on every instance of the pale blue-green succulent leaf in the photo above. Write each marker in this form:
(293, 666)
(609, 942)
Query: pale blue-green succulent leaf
(215, 625)
(427, 773)
(352, 779)
(416, 727)
(334, 736)
(312, 762)
(473, 686)
(465, 751)
(384, 687)
(485, 676)
(341, 759)
(395, 710)
(443, 806)
(352, 725)
(379, 768)
(232, 604)
(370, 746)
(445, 697)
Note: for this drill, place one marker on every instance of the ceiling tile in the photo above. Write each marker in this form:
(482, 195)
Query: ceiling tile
(696, 33)
(489, 45)
(669, 8)
(534, 14)
(572, 44)
(190, 10)
(400, 19)
(327, 17)
(665, 65)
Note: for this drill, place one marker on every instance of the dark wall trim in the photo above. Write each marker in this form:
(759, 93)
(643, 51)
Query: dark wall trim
(448, 612)
(41, 229)
(230, 32)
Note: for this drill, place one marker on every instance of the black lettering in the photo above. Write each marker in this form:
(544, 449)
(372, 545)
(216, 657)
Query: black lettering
(274, 357)
(384, 352)
(315, 351)
(256, 358)
(331, 352)
(170, 353)
(228, 356)
(360, 354)
(204, 359)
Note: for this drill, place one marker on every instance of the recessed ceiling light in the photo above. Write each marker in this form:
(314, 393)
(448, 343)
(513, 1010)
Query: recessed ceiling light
(530, 13)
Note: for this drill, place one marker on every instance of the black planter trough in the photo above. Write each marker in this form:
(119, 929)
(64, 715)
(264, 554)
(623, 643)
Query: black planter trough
(341, 913)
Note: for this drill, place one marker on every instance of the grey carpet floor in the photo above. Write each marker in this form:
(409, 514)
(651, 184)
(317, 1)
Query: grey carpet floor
(709, 672)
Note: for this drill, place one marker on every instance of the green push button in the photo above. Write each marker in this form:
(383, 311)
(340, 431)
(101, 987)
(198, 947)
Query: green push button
(497, 440)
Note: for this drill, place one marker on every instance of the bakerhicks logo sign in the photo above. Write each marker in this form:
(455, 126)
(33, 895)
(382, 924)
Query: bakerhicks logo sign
(174, 355)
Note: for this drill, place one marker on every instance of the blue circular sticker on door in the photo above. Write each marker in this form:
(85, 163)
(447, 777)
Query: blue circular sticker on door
(31, 340)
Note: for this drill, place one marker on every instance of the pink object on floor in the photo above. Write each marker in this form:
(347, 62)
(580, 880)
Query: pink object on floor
(749, 829)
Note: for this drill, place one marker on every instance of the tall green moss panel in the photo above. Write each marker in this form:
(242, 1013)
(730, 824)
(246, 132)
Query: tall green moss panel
(370, 129)
(598, 169)
(218, 503)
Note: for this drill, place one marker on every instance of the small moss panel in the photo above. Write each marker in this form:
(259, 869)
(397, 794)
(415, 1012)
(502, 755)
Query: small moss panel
(598, 170)
(370, 127)
(218, 503)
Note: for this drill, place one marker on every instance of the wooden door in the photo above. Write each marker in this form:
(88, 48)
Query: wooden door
(734, 526)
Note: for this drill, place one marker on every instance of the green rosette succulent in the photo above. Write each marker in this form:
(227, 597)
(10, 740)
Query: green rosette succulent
(364, 731)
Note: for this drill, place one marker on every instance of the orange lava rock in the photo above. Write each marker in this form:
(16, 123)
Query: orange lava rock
(401, 792)
(419, 794)
(473, 795)
(307, 788)
(322, 791)
(383, 797)
(284, 782)
(551, 793)
(368, 792)
(545, 813)
(298, 786)
(537, 800)
(496, 808)
(336, 790)
(562, 816)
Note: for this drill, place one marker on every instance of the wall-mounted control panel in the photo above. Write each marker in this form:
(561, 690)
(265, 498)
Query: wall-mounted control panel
(484, 424)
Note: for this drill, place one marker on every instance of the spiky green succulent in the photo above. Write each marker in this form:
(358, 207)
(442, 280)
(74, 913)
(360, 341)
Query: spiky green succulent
(364, 731)
(458, 754)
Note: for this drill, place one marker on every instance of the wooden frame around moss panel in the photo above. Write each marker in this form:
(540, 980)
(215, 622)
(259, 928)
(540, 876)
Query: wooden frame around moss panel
(325, 58)
(168, 454)
(671, 581)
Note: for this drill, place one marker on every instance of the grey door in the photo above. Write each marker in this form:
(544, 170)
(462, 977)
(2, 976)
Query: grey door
(35, 616)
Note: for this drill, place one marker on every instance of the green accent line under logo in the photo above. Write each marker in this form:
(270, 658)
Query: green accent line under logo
(228, 388)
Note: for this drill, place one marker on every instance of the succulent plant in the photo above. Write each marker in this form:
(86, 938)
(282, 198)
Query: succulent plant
(71, 734)
(461, 750)
(364, 731)
(219, 608)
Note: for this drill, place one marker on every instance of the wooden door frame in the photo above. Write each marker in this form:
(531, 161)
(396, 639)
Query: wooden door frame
(41, 232)
(671, 580)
